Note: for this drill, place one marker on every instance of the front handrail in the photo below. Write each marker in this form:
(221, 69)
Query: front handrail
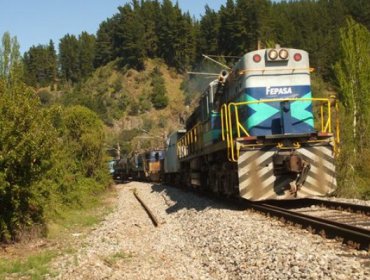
(232, 127)
(231, 130)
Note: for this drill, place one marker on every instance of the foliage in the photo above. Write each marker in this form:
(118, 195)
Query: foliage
(26, 141)
(11, 68)
(159, 29)
(353, 74)
(158, 95)
(106, 98)
(48, 157)
(46, 98)
(40, 64)
(76, 56)
(129, 37)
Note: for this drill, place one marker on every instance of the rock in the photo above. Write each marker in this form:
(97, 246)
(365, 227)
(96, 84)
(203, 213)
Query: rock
(201, 239)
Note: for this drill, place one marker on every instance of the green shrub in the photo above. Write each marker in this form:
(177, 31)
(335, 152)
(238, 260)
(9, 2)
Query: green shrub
(27, 138)
(158, 95)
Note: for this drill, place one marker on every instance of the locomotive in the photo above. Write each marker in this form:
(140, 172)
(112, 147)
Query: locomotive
(258, 132)
(146, 166)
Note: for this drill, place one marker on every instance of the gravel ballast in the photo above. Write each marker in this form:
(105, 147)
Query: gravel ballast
(198, 238)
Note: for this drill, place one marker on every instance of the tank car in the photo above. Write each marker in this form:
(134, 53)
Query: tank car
(259, 134)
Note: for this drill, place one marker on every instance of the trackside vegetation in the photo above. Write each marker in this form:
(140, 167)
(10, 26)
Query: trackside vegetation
(353, 76)
(50, 158)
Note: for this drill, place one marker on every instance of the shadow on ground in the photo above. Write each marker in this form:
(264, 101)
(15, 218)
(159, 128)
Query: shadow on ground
(192, 199)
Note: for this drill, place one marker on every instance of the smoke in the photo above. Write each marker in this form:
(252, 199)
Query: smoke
(194, 85)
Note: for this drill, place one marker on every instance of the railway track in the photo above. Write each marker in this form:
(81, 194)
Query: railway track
(349, 223)
(346, 222)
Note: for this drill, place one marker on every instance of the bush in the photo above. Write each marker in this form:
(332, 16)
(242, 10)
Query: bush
(48, 159)
(158, 95)
(46, 97)
(27, 140)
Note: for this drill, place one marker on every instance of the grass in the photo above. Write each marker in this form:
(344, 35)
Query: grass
(28, 263)
(33, 267)
(81, 219)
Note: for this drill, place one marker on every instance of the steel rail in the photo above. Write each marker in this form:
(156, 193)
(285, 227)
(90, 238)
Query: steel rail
(341, 205)
(307, 202)
(358, 237)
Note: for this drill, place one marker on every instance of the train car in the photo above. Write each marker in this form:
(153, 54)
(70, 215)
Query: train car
(121, 169)
(171, 164)
(136, 166)
(259, 134)
(152, 165)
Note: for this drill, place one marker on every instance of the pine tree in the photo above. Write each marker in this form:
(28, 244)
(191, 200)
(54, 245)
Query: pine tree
(149, 12)
(166, 31)
(129, 37)
(52, 63)
(40, 64)
(86, 53)
(227, 30)
(69, 58)
(209, 28)
(104, 42)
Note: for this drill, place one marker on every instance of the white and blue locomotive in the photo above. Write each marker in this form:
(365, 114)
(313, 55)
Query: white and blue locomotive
(258, 133)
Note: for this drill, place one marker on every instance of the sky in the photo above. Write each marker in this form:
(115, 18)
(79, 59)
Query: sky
(35, 22)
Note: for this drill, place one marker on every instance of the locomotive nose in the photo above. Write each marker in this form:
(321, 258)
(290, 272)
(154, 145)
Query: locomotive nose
(292, 163)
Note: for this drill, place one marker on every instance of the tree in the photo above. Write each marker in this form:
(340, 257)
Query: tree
(149, 15)
(26, 147)
(83, 134)
(10, 60)
(353, 76)
(52, 62)
(86, 53)
(69, 58)
(104, 42)
(158, 95)
(359, 10)
(40, 64)
(129, 36)
(209, 28)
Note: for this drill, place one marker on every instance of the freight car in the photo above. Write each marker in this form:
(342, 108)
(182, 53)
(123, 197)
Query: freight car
(259, 134)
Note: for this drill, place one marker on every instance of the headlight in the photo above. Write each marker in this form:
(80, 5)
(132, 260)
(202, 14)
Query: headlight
(283, 54)
(273, 54)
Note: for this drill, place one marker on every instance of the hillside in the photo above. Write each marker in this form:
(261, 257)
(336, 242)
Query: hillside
(122, 99)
